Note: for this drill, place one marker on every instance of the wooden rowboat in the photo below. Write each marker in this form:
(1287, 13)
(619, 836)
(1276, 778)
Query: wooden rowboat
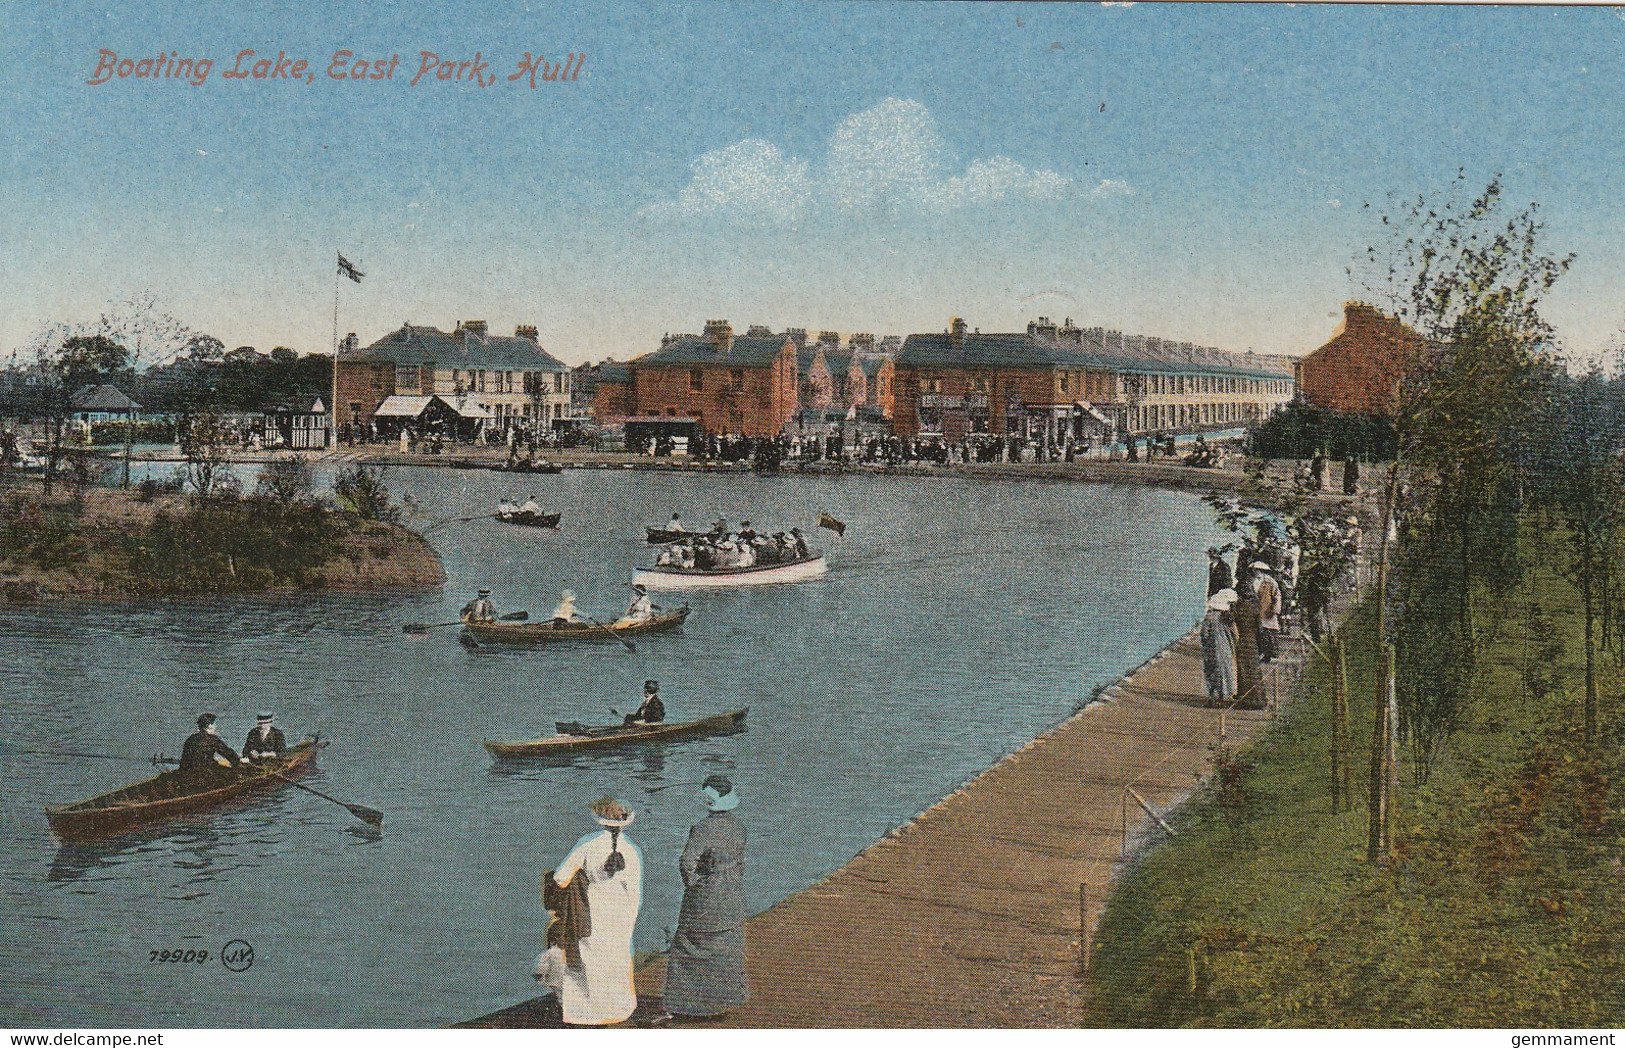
(547, 632)
(530, 520)
(584, 738)
(668, 578)
(529, 467)
(171, 794)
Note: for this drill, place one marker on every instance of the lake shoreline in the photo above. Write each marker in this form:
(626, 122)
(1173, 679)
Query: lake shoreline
(356, 556)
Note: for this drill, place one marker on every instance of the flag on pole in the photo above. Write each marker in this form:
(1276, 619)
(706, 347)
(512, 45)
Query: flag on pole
(827, 521)
(347, 268)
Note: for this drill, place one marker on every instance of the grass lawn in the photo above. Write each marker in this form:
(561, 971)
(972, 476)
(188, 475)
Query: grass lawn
(1504, 904)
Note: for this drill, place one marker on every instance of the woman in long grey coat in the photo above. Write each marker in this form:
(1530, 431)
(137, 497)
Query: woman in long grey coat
(1219, 648)
(705, 969)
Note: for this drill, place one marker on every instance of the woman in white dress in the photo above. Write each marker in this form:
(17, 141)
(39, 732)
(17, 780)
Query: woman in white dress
(601, 991)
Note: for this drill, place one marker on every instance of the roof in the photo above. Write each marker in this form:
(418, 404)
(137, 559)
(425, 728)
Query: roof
(839, 361)
(103, 398)
(872, 365)
(402, 406)
(414, 344)
(611, 372)
(744, 351)
(1022, 350)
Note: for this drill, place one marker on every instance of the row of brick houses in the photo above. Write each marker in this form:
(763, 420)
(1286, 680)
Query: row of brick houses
(1055, 382)
(1060, 383)
(1360, 367)
(490, 381)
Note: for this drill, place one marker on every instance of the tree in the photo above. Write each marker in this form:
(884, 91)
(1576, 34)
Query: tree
(151, 334)
(70, 362)
(205, 442)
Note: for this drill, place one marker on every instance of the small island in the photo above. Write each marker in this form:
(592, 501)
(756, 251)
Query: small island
(180, 538)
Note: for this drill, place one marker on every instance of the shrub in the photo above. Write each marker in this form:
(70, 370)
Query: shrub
(361, 491)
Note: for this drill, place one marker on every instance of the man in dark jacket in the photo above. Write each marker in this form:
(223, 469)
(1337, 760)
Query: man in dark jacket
(204, 750)
(705, 968)
(653, 711)
(265, 741)
(1218, 572)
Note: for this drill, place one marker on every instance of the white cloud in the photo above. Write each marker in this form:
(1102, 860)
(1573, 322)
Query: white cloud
(891, 156)
(751, 180)
(1110, 187)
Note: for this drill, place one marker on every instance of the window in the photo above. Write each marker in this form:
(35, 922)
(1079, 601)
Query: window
(406, 378)
(696, 379)
(739, 378)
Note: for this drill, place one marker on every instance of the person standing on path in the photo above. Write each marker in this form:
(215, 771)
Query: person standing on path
(1218, 572)
(1268, 592)
(1219, 649)
(705, 969)
(601, 992)
(1317, 471)
(1351, 476)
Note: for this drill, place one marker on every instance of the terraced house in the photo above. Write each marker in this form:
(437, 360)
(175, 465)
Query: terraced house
(495, 382)
(1062, 383)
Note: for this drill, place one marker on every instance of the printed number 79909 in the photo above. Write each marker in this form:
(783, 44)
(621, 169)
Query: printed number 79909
(178, 956)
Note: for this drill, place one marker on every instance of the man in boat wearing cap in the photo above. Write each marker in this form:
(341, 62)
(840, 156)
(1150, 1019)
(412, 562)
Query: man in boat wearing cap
(204, 750)
(480, 609)
(265, 741)
(642, 609)
(705, 968)
(653, 711)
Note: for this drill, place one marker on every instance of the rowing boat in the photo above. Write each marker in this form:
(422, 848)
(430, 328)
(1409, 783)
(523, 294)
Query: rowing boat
(543, 632)
(530, 520)
(579, 737)
(172, 793)
(529, 467)
(672, 578)
(665, 536)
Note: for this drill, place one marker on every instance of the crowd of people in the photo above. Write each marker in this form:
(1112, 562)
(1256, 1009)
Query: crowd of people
(722, 547)
(1273, 583)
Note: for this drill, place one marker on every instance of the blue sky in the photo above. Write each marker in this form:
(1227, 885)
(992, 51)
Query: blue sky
(860, 167)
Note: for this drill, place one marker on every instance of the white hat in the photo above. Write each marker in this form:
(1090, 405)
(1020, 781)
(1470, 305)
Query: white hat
(1222, 599)
(1259, 565)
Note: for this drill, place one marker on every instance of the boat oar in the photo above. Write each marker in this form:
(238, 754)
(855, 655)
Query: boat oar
(370, 816)
(4, 749)
(633, 648)
(424, 627)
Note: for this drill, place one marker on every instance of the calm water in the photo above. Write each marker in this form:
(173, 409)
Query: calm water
(959, 618)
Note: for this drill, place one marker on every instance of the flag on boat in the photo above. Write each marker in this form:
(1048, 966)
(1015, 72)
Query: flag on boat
(347, 268)
(827, 521)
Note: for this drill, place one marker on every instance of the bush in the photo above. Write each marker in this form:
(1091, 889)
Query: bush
(361, 491)
(1299, 430)
(286, 481)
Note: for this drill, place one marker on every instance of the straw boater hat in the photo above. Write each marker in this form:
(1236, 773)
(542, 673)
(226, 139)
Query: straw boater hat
(611, 813)
(719, 794)
(638, 587)
(484, 593)
(265, 717)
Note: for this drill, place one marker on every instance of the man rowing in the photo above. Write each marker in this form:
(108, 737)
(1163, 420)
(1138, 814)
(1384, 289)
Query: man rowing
(480, 609)
(642, 609)
(530, 508)
(653, 711)
(675, 524)
(205, 750)
(507, 507)
(265, 741)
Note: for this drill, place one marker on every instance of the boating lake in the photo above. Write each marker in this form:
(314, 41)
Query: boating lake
(959, 618)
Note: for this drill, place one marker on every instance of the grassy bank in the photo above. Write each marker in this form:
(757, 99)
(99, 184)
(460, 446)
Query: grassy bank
(1503, 906)
(116, 544)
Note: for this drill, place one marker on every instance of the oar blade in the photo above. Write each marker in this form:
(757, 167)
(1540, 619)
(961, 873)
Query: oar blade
(415, 627)
(370, 816)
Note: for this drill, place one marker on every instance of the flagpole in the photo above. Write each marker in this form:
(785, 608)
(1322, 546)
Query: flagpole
(333, 405)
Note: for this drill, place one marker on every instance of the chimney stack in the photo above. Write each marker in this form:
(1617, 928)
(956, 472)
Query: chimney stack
(477, 328)
(527, 331)
(829, 338)
(720, 333)
(956, 332)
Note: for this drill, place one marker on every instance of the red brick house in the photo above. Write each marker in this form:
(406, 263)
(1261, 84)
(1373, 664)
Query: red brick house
(1360, 368)
(745, 386)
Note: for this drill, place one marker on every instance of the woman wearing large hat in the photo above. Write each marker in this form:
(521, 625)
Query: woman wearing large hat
(705, 968)
(600, 992)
